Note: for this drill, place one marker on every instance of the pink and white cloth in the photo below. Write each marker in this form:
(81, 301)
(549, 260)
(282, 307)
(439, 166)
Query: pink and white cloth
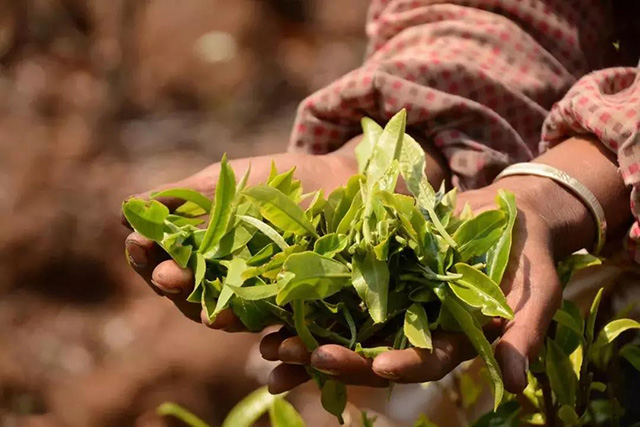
(488, 82)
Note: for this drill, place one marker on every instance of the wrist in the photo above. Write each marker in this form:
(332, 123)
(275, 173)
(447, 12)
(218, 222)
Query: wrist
(568, 224)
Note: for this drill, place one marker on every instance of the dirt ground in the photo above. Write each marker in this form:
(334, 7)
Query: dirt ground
(99, 100)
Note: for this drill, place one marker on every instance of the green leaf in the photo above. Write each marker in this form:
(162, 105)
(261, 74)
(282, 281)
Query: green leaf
(568, 416)
(222, 208)
(591, 320)
(388, 148)
(233, 240)
(632, 355)
(179, 412)
(472, 329)
(180, 221)
(478, 290)
(173, 245)
(570, 329)
(562, 378)
(190, 210)
(412, 169)
(334, 398)
(250, 409)
(416, 327)
(199, 266)
(283, 414)
(371, 133)
(573, 263)
(612, 330)
(267, 230)
(243, 181)
(370, 278)
(498, 254)
(316, 277)
(187, 195)
(254, 315)
(372, 352)
(331, 244)
(236, 267)
(366, 420)
(476, 236)
(255, 293)
(300, 322)
(506, 415)
(208, 295)
(281, 211)
(146, 217)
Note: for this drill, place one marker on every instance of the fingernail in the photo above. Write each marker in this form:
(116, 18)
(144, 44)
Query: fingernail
(136, 255)
(166, 290)
(387, 374)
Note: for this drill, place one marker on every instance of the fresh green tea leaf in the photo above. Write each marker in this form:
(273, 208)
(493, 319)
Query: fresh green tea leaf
(236, 268)
(146, 217)
(562, 378)
(371, 132)
(281, 211)
(591, 320)
(254, 293)
(222, 208)
(372, 352)
(250, 409)
(573, 263)
(179, 412)
(187, 195)
(476, 236)
(632, 355)
(478, 290)
(315, 277)
(331, 244)
(416, 327)
(498, 254)
(612, 330)
(283, 414)
(334, 398)
(267, 230)
(370, 278)
(300, 322)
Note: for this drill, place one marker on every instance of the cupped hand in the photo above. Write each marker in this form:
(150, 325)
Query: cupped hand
(530, 284)
(168, 279)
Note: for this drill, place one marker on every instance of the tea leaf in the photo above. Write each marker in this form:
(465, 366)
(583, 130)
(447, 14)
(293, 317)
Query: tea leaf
(472, 329)
(236, 267)
(198, 265)
(371, 133)
(179, 412)
(267, 230)
(187, 195)
(331, 244)
(222, 208)
(280, 210)
(412, 163)
(250, 409)
(255, 293)
(506, 415)
(632, 354)
(146, 217)
(591, 320)
(370, 277)
(315, 277)
(573, 263)
(562, 378)
(416, 327)
(283, 414)
(498, 254)
(334, 398)
(478, 290)
(300, 322)
(476, 236)
(612, 330)
(388, 148)
(372, 352)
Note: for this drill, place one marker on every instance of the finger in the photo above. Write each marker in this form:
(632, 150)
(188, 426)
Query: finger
(270, 343)
(346, 365)
(285, 377)
(226, 320)
(143, 256)
(537, 298)
(293, 351)
(420, 365)
(172, 279)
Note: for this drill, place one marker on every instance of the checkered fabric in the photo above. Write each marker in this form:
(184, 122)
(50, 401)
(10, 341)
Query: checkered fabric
(480, 79)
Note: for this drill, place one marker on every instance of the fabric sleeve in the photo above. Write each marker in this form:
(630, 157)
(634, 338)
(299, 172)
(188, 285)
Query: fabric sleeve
(605, 103)
(477, 77)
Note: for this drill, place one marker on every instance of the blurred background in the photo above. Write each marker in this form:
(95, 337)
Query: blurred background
(102, 99)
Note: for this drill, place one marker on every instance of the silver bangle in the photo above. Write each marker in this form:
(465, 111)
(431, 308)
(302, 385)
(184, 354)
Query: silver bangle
(570, 183)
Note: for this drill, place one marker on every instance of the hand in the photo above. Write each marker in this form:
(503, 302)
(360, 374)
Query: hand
(542, 234)
(166, 278)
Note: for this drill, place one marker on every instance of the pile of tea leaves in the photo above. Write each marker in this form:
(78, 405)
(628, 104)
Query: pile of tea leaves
(363, 267)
